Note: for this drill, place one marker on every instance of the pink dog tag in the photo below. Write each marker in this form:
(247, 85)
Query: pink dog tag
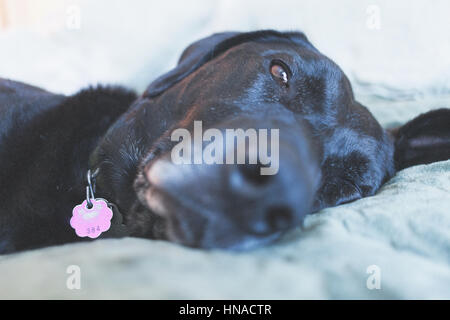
(91, 222)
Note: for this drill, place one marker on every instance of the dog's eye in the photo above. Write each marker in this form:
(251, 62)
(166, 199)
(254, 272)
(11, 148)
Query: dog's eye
(279, 71)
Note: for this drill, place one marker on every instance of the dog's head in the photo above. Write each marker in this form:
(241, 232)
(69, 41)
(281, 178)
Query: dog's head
(275, 87)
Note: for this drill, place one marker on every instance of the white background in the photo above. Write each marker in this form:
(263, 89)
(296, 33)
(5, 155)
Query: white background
(131, 42)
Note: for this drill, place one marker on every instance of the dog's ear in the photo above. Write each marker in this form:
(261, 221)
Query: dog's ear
(192, 58)
(300, 39)
(424, 139)
(197, 49)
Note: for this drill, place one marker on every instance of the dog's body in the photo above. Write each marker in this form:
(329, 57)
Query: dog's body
(332, 149)
(45, 144)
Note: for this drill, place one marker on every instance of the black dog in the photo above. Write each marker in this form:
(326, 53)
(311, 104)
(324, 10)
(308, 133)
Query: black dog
(331, 149)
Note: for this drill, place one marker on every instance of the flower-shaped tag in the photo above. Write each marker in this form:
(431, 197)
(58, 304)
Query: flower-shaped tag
(91, 222)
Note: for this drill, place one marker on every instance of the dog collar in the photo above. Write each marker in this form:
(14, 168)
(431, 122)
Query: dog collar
(97, 217)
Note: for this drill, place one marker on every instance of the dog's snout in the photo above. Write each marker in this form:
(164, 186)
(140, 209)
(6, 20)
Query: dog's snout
(263, 191)
(266, 204)
(272, 220)
(280, 218)
(251, 173)
(248, 185)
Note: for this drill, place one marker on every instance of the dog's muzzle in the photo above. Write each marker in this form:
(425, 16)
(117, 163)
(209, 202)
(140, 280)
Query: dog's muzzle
(235, 204)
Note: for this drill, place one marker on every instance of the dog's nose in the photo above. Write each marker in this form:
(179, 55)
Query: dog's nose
(266, 204)
(251, 173)
(279, 218)
(271, 219)
(277, 199)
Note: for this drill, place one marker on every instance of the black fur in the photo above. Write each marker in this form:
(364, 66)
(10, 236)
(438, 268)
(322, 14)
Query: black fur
(332, 149)
(43, 157)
